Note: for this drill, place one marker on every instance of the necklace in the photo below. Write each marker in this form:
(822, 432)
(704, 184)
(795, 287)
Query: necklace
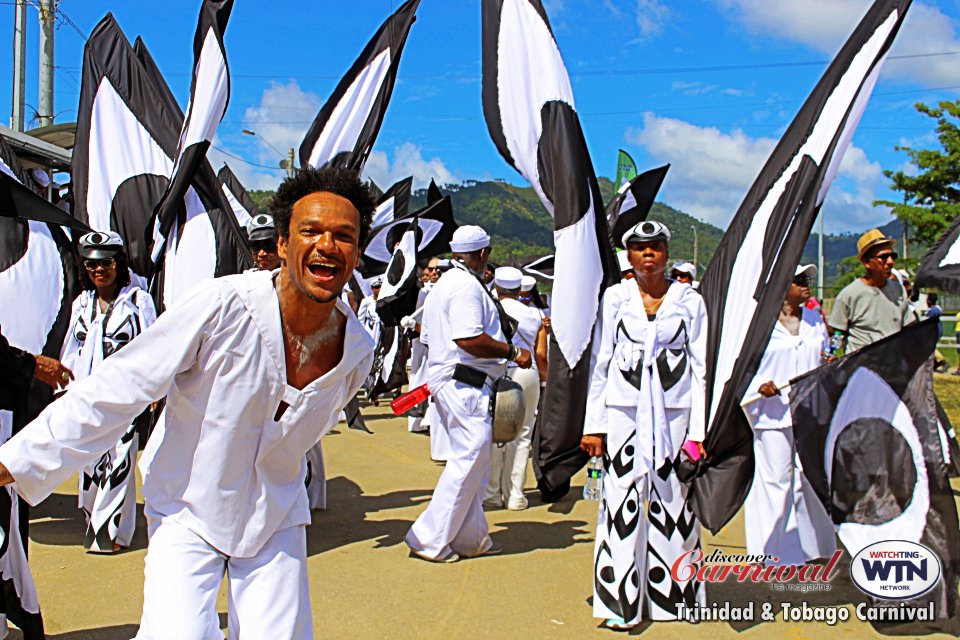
(653, 308)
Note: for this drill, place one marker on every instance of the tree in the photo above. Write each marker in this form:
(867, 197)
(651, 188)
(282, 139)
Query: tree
(931, 198)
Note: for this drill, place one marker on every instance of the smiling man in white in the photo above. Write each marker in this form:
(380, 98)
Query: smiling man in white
(255, 369)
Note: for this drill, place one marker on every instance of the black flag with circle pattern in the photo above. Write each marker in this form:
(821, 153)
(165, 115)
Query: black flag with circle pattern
(868, 438)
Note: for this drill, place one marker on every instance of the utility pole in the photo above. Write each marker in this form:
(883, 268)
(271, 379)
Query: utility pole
(291, 170)
(820, 260)
(696, 248)
(19, 65)
(45, 102)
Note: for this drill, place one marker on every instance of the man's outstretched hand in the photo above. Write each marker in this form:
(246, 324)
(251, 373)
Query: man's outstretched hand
(5, 477)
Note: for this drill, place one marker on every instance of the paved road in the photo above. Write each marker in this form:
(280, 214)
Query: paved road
(364, 584)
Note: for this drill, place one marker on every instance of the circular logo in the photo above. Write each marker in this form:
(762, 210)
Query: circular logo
(895, 570)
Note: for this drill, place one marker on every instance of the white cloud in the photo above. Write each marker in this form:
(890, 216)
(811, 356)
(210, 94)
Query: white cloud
(280, 119)
(408, 160)
(825, 24)
(652, 16)
(712, 170)
(692, 88)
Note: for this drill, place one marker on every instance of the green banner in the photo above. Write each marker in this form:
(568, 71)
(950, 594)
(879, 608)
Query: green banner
(626, 168)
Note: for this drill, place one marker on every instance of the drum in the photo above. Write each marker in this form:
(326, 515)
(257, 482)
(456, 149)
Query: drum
(508, 407)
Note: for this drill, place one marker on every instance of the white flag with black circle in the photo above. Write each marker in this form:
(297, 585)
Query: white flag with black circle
(435, 223)
(529, 108)
(400, 288)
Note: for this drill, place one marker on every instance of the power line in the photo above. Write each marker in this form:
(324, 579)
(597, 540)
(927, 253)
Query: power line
(236, 157)
(597, 73)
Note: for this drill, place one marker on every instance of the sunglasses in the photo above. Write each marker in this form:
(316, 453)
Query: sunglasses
(887, 255)
(106, 263)
(802, 281)
(267, 246)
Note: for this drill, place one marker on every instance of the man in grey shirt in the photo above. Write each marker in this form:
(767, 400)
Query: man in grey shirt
(875, 305)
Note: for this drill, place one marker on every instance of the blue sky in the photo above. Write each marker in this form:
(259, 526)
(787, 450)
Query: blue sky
(707, 85)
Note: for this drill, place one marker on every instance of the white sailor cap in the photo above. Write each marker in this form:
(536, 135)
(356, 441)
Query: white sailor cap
(646, 231)
(469, 238)
(261, 227)
(623, 259)
(508, 278)
(376, 281)
(809, 270)
(527, 283)
(100, 244)
(685, 267)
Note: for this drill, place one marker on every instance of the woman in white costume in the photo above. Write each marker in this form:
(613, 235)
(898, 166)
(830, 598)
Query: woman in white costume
(106, 316)
(646, 399)
(782, 515)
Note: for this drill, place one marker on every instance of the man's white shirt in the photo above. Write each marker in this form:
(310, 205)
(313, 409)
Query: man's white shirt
(458, 307)
(218, 463)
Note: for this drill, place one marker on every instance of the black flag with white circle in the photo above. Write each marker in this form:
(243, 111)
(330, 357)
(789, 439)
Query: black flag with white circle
(867, 435)
(393, 204)
(633, 201)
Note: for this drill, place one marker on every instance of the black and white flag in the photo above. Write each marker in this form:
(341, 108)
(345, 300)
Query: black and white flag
(435, 225)
(529, 109)
(209, 96)
(244, 209)
(344, 131)
(541, 268)
(38, 274)
(940, 267)
(393, 204)
(632, 203)
(868, 438)
(390, 362)
(38, 282)
(401, 287)
(745, 282)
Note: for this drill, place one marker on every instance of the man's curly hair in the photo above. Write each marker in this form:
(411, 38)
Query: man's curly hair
(343, 182)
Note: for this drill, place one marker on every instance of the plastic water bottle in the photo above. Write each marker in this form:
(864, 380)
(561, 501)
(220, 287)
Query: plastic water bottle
(591, 489)
(832, 348)
(403, 403)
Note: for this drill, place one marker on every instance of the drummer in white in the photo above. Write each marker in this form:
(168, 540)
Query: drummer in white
(467, 350)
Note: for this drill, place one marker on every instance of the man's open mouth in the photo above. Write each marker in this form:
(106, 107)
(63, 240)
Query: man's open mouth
(322, 269)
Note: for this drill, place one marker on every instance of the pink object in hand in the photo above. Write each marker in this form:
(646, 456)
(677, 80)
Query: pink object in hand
(692, 450)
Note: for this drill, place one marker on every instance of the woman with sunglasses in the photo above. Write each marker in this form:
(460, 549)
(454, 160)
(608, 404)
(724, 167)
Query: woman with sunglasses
(782, 515)
(109, 313)
(644, 411)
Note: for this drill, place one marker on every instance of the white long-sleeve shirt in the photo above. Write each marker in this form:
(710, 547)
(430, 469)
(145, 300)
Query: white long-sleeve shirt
(786, 357)
(680, 341)
(219, 464)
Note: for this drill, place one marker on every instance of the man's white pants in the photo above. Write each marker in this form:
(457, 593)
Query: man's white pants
(508, 463)
(439, 438)
(453, 521)
(182, 575)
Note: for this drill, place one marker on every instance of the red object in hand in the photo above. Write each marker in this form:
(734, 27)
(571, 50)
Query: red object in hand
(403, 403)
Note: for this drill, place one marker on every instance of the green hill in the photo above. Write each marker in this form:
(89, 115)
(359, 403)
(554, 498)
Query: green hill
(521, 227)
